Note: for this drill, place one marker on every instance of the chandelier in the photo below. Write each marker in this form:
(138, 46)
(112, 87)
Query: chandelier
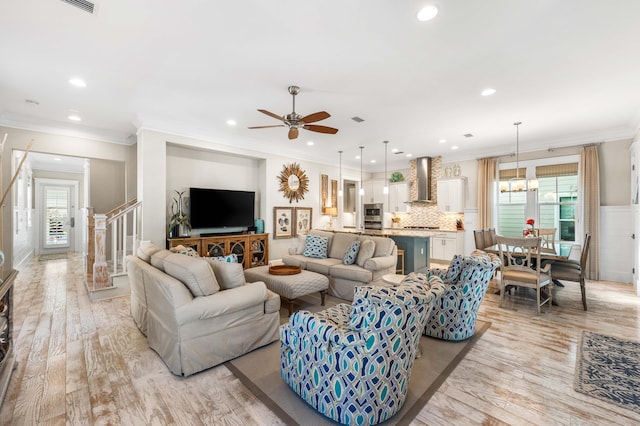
(518, 184)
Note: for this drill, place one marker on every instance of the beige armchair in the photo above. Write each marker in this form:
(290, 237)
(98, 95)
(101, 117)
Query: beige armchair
(521, 267)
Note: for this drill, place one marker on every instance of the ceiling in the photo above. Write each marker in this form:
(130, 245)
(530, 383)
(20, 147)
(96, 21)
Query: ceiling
(568, 70)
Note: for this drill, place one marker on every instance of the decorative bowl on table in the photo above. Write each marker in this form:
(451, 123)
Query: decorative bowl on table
(284, 270)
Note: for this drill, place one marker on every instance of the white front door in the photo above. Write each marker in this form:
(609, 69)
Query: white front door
(57, 218)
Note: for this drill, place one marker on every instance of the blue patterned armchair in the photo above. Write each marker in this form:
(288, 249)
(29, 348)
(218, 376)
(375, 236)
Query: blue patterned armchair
(466, 281)
(352, 363)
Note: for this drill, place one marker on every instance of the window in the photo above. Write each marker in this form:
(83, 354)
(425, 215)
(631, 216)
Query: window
(553, 205)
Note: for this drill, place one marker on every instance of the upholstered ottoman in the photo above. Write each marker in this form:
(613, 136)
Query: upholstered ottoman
(290, 287)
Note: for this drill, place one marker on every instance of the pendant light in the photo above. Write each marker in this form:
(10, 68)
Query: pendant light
(518, 184)
(385, 190)
(340, 181)
(361, 187)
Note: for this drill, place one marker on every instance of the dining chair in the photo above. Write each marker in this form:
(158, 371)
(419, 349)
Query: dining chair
(548, 236)
(489, 237)
(521, 267)
(478, 235)
(573, 270)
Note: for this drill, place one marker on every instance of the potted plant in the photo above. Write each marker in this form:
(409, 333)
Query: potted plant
(179, 224)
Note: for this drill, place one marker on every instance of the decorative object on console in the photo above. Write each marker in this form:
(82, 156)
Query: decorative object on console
(459, 225)
(296, 121)
(259, 226)
(179, 224)
(331, 212)
(294, 182)
(282, 222)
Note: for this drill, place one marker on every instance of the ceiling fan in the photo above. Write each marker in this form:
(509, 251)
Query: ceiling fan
(296, 121)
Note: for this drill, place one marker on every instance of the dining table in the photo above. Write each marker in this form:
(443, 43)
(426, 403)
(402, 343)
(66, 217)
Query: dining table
(561, 251)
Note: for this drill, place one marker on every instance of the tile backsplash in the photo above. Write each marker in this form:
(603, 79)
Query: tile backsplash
(423, 214)
(427, 214)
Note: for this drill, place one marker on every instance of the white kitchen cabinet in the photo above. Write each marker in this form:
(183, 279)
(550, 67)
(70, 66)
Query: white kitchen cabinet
(398, 197)
(445, 245)
(373, 191)
(451, 194)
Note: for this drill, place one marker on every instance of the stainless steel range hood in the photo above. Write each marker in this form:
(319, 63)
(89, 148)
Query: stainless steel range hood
(423, 179)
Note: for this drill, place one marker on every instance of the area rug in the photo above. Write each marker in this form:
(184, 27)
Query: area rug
(260, 372)
(608, 368)
(54, 256)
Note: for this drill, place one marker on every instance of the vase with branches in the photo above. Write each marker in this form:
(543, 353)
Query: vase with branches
(179, 224)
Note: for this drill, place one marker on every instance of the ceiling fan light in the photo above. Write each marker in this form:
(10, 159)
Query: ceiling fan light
(427, 13)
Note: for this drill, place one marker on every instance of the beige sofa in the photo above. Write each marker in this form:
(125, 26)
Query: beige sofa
(369, 268)
(198, 313)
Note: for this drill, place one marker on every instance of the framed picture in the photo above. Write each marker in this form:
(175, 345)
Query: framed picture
(303, 220)
(283, 226)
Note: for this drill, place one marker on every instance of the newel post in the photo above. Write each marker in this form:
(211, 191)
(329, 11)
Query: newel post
(100, 272)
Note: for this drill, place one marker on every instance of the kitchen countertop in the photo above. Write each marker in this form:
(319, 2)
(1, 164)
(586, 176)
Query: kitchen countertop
(400, 232)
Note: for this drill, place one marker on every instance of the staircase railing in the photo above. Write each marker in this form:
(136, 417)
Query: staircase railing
(123, 224)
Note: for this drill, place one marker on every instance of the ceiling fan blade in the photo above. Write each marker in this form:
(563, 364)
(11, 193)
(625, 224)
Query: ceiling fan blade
(270, 114)
(321, 129)
(312, 118)
(265, 127)
(293, 133)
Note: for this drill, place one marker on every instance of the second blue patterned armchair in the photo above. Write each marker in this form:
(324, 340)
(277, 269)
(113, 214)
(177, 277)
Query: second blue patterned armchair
(352, 363)
(466, 281)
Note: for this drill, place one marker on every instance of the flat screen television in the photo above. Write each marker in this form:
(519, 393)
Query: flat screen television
(221, 208)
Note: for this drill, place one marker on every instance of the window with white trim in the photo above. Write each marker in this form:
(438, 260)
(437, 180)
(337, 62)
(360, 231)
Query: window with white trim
(554, 205)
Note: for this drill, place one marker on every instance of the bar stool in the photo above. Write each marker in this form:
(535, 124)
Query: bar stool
(400, 270)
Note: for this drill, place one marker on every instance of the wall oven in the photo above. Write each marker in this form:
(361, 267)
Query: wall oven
(373, 214)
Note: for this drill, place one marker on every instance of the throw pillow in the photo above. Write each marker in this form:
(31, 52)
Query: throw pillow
(194, 272)
(157, 258)
(316, 247)
(228, 275)
(367, 248)
(301, 243)
(231, 258)
(146, 250)
(351, 253)
(188, 251)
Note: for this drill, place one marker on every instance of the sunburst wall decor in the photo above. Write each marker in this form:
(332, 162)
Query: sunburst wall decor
(293, 182)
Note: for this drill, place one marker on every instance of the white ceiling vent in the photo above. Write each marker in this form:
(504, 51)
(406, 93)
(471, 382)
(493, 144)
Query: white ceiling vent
(85, 5)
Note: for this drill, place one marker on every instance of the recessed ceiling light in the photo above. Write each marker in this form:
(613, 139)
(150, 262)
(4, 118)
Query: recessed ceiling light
(454, 147)
(427, 13)
(310, 143)
(357, 157)
(488, 92)
(78, 82)
(373, 161)
(442, 141)
(409, 155)
(231, 122)
(74, 118)
(394, 150)
(57, 159)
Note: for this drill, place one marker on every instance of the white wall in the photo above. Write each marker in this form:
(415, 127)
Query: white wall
(193, 162)
(18, 139)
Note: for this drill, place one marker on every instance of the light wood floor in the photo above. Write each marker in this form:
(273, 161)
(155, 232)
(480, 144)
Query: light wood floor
(86, 363)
